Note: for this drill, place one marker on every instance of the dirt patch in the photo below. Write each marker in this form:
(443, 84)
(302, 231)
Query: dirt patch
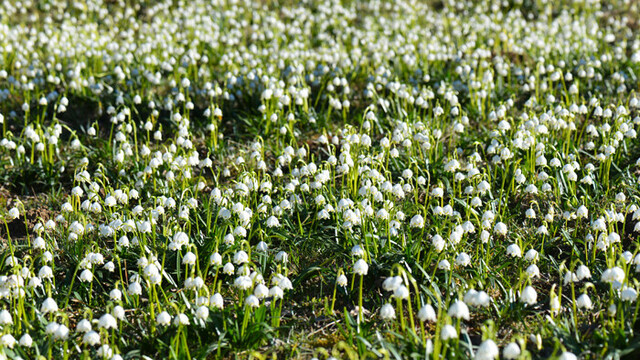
(18, 227)
(36, 209)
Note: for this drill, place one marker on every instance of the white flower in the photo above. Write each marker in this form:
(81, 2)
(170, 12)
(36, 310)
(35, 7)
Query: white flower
(567, 356)
(48, 306)
(252, 301)
(181, 238)
(110, 266)
(357, 251)
(105, 352)
(51, 328)
(342, 280)
(530, 214)
(463, 260)
(240, 231)
(216, 301)
(387, 312)
(452, 166)
(228, 269)
(181, 319)
(542, 230)
(533, 271)
(361, 267)
(500, 228)
(261, 291)
(459, 310)
(35, 282)
(91, 338)
(427, 313)
(7, 340)
(39, 243)
(276, 292)
(134, 288)
(118, 312)
(437, 192)
(107, 321)
(531, 255)
(582, 212)
(13, 213)
(84, 326)
(273, 221)
(448, 332)
(392, 283)
(511, 351)
(584, 302)
(86, 275)
(477, 298)
(262, 246)
(215, 259)
(438, 243)
(401, 292)
(513, 250)
(61, 332)
(444, 265)
(628, 294)
(488, 350)
(417, 221)
(612, 275)
(110, 201)
(485, 236)
(26, 340)
(583, 273)
(599, 225)
(189, 258)
(281, 257)
(115, 295)
(243, 282)
(529, 295)
(240, 257)
(45, 272)
(202, 313)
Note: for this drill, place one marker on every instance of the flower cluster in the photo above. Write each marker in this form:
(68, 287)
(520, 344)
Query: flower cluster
(217, 178)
